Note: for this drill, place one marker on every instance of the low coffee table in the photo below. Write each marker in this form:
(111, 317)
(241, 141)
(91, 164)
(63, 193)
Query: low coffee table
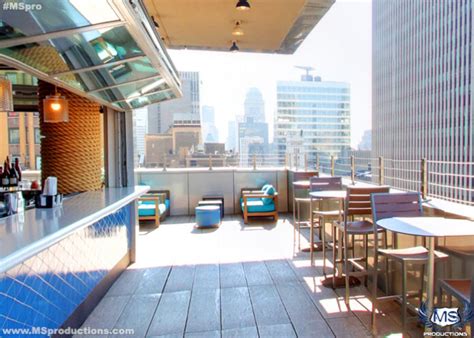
(215, 202)
(215, 197)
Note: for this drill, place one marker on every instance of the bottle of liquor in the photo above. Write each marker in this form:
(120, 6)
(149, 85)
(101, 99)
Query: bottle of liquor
(18, 169)
(13, 177)
(5, 179)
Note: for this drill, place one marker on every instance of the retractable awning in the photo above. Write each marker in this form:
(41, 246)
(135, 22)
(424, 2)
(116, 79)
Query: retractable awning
(106, 50)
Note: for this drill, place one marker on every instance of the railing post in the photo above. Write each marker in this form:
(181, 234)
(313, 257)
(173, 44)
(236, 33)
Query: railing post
(305, 162)
(317, 164)
(164, 161)
(424, 178)
(210, 162)
(381, 171)
(353, 169)
(296, 161)
(333, 171)
(254, 160)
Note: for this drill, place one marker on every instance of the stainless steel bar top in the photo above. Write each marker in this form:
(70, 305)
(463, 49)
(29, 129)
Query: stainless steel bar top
(26, 234)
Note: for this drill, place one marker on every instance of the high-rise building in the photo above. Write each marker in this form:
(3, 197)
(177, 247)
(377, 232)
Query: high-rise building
(140, 117)
(313, 117)
(20, 138)
(254, 106)
(161, 116)
(253, 124)
(422, 97)
(210, 133)
(366, 141)
(232, 136)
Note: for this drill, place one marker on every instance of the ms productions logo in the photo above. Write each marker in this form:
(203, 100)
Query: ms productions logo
(444, 317)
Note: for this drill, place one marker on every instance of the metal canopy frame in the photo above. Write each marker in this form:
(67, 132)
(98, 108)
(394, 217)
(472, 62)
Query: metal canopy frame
(131, 15)
(125, 83)
(105, 65)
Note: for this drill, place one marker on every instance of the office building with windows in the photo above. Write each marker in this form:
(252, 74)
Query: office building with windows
(313, 117)
(422, 94)
(161, 116)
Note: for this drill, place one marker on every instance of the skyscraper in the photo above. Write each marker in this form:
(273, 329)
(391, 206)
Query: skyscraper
(254, 124)
(187, 108)
(313, 117)
(422, 93)
(254, 105)
(139, 131)
(208, 123)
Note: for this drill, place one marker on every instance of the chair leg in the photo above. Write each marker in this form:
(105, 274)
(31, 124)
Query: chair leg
(295, 224)
(404, 296)
(422, 286)
(346, 267)
(374, 293)
(323, 238)
(366, 247)
(299, 225)
(311, 244)
(387, 265)
(334, 255)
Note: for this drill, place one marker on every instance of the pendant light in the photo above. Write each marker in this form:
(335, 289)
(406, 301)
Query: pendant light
(237, 31)
(55, 108)
(234, 48)
(6, 95)
(242, 5)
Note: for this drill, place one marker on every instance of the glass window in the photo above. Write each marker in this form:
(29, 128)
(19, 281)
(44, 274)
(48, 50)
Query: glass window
(51, 15)
(14, 136)
(77, 51)
(37, 136)
(115, 74)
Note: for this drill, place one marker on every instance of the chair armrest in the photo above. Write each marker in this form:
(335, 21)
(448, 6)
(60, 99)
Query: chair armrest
(149, 198)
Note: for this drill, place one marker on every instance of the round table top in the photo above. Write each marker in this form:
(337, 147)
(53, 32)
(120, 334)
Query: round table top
(428, 226)
(302, 184)
(329, 194)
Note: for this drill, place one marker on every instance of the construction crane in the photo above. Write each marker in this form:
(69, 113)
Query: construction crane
(308, 76)
(306, 68)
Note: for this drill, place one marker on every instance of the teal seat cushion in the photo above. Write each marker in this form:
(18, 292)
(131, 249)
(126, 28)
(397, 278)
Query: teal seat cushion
(258, 206)
(269, 191)
(167, 204)
(146, 209)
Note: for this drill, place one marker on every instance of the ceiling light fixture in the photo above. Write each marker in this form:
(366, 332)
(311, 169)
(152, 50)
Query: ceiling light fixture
(243, 5)
(55, 108)
(237, 31)
(155, 22)
(234, 48)
(6, 95)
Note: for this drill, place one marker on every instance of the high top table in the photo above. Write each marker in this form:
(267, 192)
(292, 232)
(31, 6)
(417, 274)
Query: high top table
(429, 227)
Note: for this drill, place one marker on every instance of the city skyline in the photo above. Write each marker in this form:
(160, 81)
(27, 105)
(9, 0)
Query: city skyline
(346, 57)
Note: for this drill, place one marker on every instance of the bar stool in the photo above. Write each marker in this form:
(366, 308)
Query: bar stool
(398, 205)
(324, 212)
(358, 205)
(301, 185)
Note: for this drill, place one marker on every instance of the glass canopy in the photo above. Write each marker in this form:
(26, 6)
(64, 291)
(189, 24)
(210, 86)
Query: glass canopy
(88, 47)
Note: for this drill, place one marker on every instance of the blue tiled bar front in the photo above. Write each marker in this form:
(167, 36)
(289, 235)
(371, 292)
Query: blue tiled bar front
(52, 260)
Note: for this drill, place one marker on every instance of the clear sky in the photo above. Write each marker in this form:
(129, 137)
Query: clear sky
(339, 48)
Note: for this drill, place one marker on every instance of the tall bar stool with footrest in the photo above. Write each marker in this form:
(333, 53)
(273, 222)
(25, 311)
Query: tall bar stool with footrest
(358, 205)
(325, 211)
(398, 205)
(301, 186)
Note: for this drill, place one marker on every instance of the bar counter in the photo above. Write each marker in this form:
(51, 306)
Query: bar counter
(56, 264)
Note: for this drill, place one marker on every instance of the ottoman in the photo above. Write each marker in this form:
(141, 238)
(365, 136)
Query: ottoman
(208, 216)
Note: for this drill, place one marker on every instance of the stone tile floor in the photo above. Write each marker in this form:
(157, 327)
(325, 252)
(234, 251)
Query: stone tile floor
(234, 281)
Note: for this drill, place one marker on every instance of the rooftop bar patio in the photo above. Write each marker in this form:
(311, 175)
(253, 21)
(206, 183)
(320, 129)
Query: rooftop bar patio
(233, 248)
